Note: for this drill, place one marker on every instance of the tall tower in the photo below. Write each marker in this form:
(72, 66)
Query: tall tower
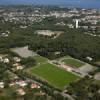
(77, 22)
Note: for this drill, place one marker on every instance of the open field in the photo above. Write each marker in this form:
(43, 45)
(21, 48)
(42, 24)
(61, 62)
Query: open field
(73, 62)
(39, 59)
(54, 75)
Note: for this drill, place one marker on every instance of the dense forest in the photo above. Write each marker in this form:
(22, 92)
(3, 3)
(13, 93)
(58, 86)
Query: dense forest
(71, 42)
(88, 89)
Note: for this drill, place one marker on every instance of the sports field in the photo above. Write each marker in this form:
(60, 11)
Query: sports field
(54, 75)
(39, 59)
(73, 62)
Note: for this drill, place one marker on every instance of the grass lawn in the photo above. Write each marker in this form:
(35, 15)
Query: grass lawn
(40, 59)
(97, 62)
(54, 75)
(6, 92)
(73, 62)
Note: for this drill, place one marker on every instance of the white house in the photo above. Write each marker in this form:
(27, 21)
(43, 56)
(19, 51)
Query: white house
(89, 58)
(1, 84)
(17, 59)
(6, 60)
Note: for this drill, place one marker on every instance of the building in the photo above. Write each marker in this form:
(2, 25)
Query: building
(77, 23)
(89, 58)
(34, 85)
(17, 59)
(21, 83)
(6, 60)
(21, 91)
(1, 85)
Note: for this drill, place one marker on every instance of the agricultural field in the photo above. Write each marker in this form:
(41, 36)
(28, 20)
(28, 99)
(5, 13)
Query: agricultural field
(53, 75)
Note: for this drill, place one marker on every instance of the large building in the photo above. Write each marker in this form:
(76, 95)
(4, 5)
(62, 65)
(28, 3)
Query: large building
(77, 23)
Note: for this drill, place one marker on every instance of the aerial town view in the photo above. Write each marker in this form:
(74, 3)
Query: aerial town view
(49, 49)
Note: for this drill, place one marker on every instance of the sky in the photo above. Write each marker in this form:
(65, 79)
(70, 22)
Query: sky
(81, 3)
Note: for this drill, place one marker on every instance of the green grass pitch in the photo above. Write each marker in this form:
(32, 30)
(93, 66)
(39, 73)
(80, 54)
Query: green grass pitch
(54, 75)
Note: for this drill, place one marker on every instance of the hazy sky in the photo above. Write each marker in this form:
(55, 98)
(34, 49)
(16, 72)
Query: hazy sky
(86, 3)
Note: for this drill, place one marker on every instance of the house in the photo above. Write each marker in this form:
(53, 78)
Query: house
(89, 58)
(6, 60)
(57, 53)
(34, 85)
(19, 67)
(23, 27)
(5, 34)
(21, 83)
(17, 59)
(21, 91)
(11, 84)
(1, 84)
(70, 25)
(61, 23)
(16, 64)
(8, 31)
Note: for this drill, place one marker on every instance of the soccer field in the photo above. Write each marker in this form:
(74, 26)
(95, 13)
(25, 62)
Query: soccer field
(54, 75)
(73, 62)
